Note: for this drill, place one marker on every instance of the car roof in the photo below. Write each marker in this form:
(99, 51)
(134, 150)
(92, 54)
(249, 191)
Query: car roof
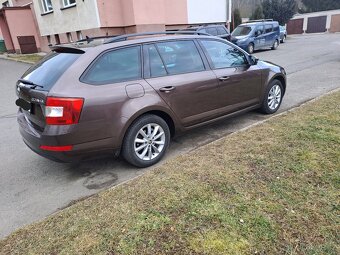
(203, 26)
(259, 23)
(100, 45)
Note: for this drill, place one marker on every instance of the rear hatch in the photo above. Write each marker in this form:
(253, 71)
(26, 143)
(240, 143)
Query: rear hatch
(33, 87)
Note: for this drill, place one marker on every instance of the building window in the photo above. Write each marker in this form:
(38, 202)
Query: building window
(46, 5)
(69, 37)
(79, 35)
(57, 39)
(49, 40)
(68, 3)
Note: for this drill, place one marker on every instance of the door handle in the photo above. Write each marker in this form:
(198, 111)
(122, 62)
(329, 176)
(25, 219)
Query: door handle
(167, 89)
(224, 78)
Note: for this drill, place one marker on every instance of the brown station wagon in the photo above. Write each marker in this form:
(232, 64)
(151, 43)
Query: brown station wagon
(131, 94)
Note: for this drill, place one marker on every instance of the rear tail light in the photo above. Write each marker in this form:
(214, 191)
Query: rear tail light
(63, 110)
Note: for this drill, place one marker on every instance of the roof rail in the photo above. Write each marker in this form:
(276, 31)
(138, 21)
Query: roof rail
(125, 37)
(259, 20)
(90, 39)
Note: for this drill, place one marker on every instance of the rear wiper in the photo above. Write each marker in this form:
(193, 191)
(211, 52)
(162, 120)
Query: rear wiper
(30, 83)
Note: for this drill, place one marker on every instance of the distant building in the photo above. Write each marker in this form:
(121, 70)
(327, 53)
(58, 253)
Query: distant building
(18, 26)
(315, 22)
(62, 21)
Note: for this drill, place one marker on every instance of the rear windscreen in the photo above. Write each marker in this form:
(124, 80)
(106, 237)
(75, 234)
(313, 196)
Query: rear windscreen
(49, 69)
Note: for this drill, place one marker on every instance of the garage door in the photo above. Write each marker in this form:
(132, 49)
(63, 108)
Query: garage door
(295, 26)
(335, 23)
(27, 44)
(317, 24)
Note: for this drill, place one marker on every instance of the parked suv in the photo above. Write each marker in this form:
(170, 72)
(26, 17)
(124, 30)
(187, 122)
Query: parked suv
(133, 95)
(215, 30)
(256, 35)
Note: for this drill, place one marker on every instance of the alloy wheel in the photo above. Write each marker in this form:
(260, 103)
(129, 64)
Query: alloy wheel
(274, 97)
(149, 141)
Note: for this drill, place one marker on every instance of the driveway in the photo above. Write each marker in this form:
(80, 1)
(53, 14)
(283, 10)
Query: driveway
(33, 187)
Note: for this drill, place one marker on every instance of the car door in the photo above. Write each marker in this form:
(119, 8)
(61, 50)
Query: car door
(240, 84)
(260, 38)
(179, 75)
(269, 34)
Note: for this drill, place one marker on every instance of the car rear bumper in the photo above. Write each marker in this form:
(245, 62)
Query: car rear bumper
(81, 151)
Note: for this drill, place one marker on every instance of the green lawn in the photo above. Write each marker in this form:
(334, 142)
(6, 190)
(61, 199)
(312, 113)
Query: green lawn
(272, 189)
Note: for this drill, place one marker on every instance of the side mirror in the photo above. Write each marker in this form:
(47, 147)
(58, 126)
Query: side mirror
(253, 60)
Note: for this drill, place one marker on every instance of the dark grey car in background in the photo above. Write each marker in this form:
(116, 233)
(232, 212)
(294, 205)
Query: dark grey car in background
(215, 30)
(133, 95)
(283, 34)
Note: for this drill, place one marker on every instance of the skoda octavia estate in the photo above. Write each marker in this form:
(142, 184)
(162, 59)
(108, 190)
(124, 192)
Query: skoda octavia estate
(132, 93)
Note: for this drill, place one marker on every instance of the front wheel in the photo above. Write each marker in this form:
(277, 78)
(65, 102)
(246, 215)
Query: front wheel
(146, 141)
(275, 45)
(272, 97)
(250, 48)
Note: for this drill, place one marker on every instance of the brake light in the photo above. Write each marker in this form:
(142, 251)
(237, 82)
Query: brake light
(63, 110)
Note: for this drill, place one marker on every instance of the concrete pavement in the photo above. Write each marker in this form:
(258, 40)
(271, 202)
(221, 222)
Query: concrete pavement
(33, 187)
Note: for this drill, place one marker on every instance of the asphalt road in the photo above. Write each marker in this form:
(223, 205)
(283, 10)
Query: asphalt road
(32, 187)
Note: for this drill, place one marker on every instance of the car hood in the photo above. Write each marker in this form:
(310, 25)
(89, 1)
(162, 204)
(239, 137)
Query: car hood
(236, 38)
(272, 66)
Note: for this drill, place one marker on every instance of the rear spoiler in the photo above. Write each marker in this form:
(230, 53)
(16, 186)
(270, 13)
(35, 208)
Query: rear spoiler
(65, 49)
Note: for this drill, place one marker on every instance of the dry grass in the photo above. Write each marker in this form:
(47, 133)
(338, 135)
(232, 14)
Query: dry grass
(30, 58)
(273, 189)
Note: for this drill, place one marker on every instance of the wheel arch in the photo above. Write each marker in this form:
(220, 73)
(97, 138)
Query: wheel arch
(282, 80)
(167, 116)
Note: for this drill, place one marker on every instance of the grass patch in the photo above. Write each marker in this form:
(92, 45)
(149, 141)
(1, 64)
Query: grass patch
(273, 189)
(32, 58)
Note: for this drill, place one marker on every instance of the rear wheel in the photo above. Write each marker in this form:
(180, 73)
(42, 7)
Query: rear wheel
(275, 45)
(146, 141)
(250, 48)
(272, 97)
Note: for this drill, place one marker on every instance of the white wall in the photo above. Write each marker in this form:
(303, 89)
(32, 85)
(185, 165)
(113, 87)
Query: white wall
(207, 11)
(83, 16)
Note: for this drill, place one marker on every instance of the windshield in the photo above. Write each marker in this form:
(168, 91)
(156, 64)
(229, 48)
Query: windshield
(241, 31)
(46, 72)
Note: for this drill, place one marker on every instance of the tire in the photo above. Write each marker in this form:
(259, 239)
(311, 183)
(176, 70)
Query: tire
(272, 97)
(250, 48)
(283, 39)
(276, 44)
(152, 146)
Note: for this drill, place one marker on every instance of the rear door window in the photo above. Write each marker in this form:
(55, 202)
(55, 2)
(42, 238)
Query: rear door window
(115, 66)
(223, 55)
(157, 67)
(50, 69)
(221, 31)
(180, 57)
(212, 30)
(269, 28)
